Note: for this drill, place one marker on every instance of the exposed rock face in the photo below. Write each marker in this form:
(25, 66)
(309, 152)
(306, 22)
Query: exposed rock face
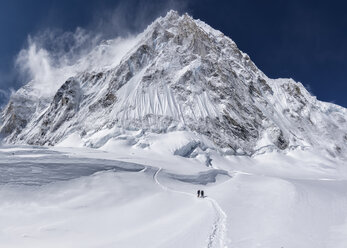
(23, 107)
(63, 108)
(183, 75)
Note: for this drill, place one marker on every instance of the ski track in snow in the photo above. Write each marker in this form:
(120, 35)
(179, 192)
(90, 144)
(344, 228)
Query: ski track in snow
(217, 236)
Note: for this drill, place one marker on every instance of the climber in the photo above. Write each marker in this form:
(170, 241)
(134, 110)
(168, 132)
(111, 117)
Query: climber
(199, 193)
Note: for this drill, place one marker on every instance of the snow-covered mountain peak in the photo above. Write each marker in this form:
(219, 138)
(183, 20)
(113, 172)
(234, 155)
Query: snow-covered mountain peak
(181, 75)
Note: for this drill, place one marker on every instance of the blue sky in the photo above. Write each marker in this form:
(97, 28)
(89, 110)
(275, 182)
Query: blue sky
(305, 40)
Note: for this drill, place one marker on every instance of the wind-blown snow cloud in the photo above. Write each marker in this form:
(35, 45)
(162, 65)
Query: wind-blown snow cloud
(52, 56)
(3, 94)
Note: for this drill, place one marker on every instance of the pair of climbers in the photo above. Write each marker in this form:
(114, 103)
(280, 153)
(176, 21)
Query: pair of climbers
(201, 193)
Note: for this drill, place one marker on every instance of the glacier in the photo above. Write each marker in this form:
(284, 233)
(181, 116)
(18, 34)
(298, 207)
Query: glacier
(113, 155)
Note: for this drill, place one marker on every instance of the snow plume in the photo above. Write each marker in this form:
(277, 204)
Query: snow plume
(53, 56)
(134, 15)
(3, 95)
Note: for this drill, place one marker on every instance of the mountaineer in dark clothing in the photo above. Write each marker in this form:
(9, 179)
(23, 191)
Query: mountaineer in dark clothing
(199, 193)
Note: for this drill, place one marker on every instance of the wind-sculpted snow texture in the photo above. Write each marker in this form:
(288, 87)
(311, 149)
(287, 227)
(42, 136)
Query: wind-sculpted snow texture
(181, 75)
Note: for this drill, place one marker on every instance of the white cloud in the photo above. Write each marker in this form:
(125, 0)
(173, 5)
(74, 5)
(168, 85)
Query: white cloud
(4, 95)
(51, 57)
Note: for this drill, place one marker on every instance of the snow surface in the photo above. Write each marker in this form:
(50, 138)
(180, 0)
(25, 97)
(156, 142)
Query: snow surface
(144, 124)
(123, 195)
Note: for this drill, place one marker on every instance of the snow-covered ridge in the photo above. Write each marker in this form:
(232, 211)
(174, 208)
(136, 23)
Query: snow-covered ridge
(180, 75)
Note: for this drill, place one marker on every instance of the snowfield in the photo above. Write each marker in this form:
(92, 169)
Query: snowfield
(128, 134)
(125, 196)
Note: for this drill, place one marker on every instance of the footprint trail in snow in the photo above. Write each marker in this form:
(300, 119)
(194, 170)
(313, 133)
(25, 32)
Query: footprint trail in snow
(217, 236)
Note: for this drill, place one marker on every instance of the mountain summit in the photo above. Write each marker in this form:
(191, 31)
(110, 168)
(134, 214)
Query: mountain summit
(181, 75)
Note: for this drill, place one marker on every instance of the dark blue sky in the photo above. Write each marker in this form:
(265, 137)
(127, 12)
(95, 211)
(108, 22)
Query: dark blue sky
(305, 40)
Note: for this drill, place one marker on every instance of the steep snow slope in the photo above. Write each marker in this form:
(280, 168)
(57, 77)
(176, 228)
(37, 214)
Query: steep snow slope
(183, 75)
(25, 105)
